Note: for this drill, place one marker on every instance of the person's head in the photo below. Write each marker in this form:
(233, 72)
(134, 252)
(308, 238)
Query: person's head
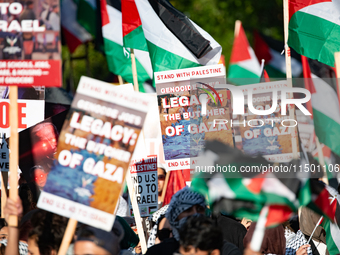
(29, 4)
(38, 176)
(182, 205)
(161, 178)
(3, 229)
(47, 233)
(138, 248)
(200, 236)
(26, 197)
(44, 141)
(55, 8)
(91, 240)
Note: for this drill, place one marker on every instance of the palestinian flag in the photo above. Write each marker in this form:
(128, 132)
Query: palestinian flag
(118, 57)
(133, 35)
(314, 28)
(87, 15)
(326, 112)
(270, 50)
(173, 40)
(75, 34)
(243, 194)
(244, 68)
(332, 236)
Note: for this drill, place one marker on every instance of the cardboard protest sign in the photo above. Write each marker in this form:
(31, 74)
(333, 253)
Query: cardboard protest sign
(31, 110)
(266, 135)
(144, 178)
(184, 130)
(30, 43)
(94, 151)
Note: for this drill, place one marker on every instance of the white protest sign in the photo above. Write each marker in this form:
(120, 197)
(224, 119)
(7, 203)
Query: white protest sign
(143, 173)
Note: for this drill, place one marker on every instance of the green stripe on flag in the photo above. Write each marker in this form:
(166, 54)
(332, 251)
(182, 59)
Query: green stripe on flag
(119, 64)
(240, 76)
(163, 60)
(327, 130)
(314, 37)
(135, 39)
(331, 244)
(86, 16)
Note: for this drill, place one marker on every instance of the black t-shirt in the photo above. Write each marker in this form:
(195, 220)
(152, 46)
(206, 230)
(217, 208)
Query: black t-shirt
(167, 247)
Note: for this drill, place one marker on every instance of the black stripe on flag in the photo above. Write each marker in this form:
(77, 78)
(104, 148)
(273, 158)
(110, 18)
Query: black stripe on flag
(115, 4)
(181, 27)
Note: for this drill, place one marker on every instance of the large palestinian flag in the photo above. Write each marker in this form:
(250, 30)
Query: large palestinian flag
(75, 34)
(173, 40)
(244, 67)
(326, 111)
(270, 50)
(314, 28)
(118, 57)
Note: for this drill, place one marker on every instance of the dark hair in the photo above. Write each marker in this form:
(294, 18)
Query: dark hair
(3, 223)
(48, 231)
(26, 197)
(201, 233)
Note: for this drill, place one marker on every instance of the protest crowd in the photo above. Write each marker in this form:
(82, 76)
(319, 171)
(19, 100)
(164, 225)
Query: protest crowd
(174, 152)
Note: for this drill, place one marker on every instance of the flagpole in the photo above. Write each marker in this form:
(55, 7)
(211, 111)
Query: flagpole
(257, 238)
(321, 160)
(289, 76)
(13, 157)
(134, 70)
(68, 236)
(120, 79)
(337, 69)
(238, 24)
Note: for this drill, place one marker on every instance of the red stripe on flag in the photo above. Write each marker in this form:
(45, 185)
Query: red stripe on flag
(130, 16)
(266, 76)
(71, 40)
(261, 48)
(308, 81)
(104, 13)
(322, 201)
(240, 50)
(278, 214)
(255, 185)
(296, 5)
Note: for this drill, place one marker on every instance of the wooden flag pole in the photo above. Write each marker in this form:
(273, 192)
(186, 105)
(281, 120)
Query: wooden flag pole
(134, 70)
(289, 76)
(321, 160)
(4, 184)
(69, 233)
(120, 79)
(13, 157)
(238, 24)
(135, 208)
(337, 69)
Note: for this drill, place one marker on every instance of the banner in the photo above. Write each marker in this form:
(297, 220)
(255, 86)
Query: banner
(184, 129)
(145, 181)
(30, 44)
(266, 135)
(94, 151)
